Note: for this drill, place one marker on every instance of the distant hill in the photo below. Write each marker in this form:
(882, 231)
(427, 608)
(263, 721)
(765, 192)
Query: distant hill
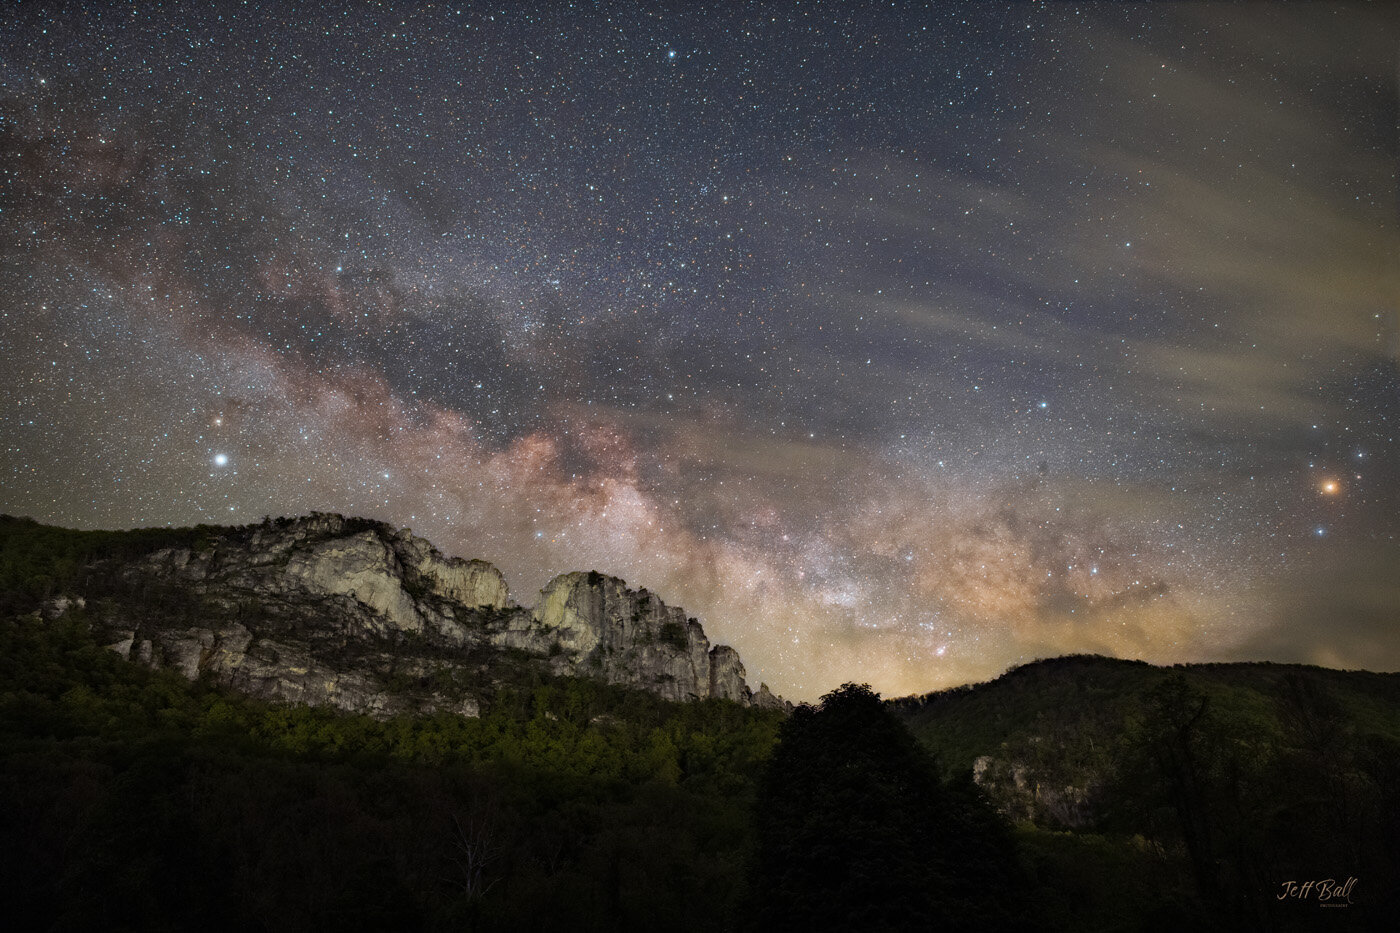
(1223, 781)
(1080, 705)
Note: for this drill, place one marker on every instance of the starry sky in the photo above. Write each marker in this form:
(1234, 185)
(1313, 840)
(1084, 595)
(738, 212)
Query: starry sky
(897, 344)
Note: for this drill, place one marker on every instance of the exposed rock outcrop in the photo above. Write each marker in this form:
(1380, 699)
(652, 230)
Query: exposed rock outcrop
(1024, 795)
(631, 637)
(350, 613)
(363, 567)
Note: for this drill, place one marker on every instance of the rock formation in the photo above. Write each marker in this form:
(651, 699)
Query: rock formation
(350, 613)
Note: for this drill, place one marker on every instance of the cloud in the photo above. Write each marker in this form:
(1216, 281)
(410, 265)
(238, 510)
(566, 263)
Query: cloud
(1341, 612)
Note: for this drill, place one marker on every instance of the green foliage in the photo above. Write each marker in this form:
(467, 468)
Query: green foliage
(1094, 881)
(1223, 778)
(131, 798)
(856, 831)
(40, 562)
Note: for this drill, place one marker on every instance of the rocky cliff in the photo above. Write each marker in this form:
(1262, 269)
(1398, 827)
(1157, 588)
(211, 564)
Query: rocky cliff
(350, 613)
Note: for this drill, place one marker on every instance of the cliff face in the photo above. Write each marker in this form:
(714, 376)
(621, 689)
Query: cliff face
(631, 637)
(350, 613)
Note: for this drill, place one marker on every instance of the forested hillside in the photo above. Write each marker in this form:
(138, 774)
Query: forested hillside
(1210, 785)
(133, 799)
(1078, 793)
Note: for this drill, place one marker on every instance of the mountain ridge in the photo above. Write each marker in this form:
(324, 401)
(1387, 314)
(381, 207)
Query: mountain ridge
(1139, 797)
(355, 614)
(1046, 740)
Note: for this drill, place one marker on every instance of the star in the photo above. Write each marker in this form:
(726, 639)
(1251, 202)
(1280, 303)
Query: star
(807, 320)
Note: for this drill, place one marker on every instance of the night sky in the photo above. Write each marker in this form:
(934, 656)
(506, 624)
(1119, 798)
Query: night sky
(898, 345)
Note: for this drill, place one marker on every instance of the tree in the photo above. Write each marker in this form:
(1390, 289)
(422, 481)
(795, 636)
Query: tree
(856, 831)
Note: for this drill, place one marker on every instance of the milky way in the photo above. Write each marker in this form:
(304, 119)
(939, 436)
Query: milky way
(897, 345)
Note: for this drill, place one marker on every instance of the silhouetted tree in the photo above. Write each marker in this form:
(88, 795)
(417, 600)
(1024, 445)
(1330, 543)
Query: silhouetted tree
(855, 830)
